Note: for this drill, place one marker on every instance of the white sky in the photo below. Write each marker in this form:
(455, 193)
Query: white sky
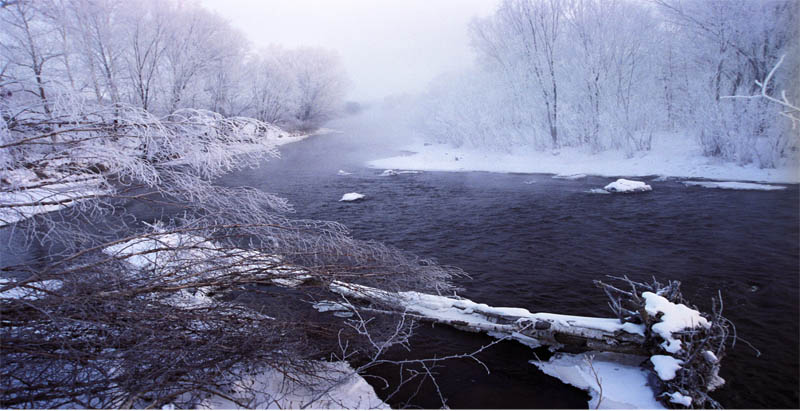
(386, 46)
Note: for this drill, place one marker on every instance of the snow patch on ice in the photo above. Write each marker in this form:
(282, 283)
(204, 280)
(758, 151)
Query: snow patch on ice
(676, 317)
(622, 381)
(666, 366)
(352, 197)
(627, 186)
(734, 185)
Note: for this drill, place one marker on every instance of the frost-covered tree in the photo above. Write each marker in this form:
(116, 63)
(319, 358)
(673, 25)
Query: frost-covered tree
(320, 85)
(612, 74)
(728, 47)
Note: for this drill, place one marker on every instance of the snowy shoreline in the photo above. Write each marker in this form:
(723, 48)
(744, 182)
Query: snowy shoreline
(668, 162)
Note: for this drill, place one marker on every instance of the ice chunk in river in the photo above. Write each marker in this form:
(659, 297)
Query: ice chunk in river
(627, 186)
(343, 173)
(619, 377)
(352, 197)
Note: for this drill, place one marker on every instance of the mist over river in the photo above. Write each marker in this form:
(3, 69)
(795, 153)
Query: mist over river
(531, 241)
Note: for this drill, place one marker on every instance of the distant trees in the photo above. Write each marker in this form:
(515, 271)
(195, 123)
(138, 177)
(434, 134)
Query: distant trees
(163, 56)
(734, 44)
(611, 74)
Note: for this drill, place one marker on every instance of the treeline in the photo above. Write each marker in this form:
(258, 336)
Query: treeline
(612, 74)
(161, 56)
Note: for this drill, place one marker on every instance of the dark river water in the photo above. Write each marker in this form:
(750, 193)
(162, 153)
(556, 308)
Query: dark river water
(539, 246)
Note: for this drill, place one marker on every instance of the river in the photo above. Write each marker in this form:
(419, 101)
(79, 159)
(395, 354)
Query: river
(528, 240)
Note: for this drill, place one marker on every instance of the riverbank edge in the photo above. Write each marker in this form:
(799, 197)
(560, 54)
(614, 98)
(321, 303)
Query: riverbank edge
(686, 164)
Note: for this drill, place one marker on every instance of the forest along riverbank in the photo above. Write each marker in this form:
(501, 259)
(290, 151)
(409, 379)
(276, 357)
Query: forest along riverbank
(537, 242)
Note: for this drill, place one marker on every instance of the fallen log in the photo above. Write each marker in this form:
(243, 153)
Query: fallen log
(573, 333)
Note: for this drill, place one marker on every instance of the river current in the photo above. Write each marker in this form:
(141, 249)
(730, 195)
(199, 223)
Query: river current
(531, 241)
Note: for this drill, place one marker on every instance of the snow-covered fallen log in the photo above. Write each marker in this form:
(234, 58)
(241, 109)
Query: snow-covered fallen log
(677, 344)
(533, 329)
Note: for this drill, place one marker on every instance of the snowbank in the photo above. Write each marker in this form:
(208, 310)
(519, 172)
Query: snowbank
(33, 290)
(352, 197)
(627, 186)
(29, 194)
(734, 185)
(671, 156)
(622, 381)
(335, 386)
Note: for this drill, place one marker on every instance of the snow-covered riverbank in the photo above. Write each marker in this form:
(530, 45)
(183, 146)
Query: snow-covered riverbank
(669, 159)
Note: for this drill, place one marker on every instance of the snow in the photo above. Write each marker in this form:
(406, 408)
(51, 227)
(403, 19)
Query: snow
(671, 156)
(734, 185)
(464, 312)
(627, 186)
(678, 398)
(27, 293)
(666, 366)
(676, 317)
(387, 173)
(343, 173)
(274, 390)
(710, 357)
(622, 381)
(56, 188)
(352, 197)
(598, 191)
(569, 176)
(175, 249)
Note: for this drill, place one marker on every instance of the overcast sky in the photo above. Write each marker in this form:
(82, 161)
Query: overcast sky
(386, 46)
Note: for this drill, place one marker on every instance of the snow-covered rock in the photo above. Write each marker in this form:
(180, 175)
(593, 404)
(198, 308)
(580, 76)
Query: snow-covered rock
(734, 185)
(627, 186)
(352, 197)
(386, 173)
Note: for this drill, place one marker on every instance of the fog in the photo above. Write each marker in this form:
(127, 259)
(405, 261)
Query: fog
(386, 47)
